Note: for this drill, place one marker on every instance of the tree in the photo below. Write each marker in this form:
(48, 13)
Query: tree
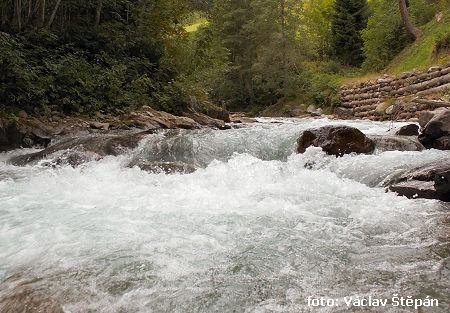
(412, 30)
(264, 51)
(384, 37)
(277, 67)
(316, 17)
(349, 19)
(86, 56)
(233, 20)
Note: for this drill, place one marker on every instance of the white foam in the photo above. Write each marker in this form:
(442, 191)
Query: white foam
(253, 231)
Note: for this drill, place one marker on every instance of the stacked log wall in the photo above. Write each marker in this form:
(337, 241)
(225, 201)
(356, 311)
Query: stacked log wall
(410, 91)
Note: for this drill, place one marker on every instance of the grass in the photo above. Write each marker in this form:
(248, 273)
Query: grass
(422, 53)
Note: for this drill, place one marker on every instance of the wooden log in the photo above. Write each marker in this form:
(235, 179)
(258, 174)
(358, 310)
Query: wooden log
(365, 102)
(434, 90)
(415, 88)
(432, 103)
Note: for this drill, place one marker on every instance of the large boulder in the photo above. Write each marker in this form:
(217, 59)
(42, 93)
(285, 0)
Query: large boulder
(314, 111)
(335, 140)
(209, 109)
(438, 127)
(413, 189)
(218, 113)
(430, 181)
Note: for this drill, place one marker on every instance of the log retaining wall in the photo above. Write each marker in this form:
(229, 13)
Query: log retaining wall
(401, 97)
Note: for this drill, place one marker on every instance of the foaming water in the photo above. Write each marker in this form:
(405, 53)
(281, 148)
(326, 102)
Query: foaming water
(252, 230)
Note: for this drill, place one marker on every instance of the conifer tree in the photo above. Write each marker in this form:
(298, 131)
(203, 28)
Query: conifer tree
(349, 19)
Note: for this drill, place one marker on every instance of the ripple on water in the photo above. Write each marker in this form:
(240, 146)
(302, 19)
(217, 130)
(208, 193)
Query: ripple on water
(252, 231)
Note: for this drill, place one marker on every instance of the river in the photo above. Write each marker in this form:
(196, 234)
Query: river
(257, 228)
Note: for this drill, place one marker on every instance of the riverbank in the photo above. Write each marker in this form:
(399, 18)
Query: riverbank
(38, 131)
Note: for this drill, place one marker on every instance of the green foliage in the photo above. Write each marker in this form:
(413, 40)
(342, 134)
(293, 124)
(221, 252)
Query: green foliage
(264, 51)
(385, 35)
(315, 26)
(349, 19)
(324, 84)
(114, 55)
(429, 49)
(203, 63)
(77, 66)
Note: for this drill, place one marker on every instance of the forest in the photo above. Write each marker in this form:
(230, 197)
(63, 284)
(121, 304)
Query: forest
(112, 56)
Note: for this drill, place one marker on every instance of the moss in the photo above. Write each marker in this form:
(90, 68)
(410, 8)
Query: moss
(381, 108)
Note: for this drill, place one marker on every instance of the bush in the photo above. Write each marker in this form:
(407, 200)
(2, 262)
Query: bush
(40, 71)
(324, 91)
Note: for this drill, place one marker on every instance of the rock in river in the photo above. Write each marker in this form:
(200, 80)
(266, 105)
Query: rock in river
(396, 143)
(78, 150)
(24, 133)
(407, 130)
(205, 120)
(436, 132)
(24, 298)
(431, 181)
(157, 167)
(335, 140)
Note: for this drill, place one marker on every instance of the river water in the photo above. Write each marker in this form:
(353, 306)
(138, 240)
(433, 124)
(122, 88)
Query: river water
(256, 229)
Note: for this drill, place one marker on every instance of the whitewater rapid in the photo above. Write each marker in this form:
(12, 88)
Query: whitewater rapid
(253, 230)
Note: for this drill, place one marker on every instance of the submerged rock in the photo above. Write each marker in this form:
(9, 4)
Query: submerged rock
(437, 127)
(430, 181)
(335, 140)
(415, 189)
(396, 143)
(23, 298)
(157, 167)
(79, 150)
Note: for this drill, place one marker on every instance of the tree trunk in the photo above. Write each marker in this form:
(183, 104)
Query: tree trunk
(41, 14)
(4, 17)
(98, 13)
(412, 30)
(18, 9)
(248, 85)
(30, 11)
(52, 17)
